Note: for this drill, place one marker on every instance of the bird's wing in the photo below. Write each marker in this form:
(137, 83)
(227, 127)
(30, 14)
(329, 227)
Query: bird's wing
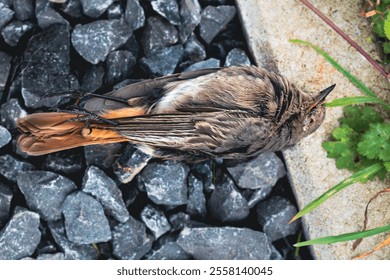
(142, 93)
(210, 133)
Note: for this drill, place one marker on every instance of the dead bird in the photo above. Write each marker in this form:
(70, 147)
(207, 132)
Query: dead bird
(232, 113)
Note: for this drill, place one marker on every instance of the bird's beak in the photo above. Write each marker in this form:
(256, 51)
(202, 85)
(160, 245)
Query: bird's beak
(321, 97)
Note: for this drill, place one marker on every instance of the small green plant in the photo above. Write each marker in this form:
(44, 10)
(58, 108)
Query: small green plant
(360, 144)
(380, 16)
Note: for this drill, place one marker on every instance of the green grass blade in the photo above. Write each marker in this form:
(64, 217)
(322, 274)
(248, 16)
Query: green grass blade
(344, 237)
(359, 176)
(342, 70)
(345, 101)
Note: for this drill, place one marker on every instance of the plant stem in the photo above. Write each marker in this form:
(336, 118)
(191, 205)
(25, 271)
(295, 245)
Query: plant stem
(347, 38)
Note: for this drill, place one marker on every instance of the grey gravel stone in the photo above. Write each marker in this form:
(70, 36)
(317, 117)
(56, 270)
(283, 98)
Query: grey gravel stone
(10, 167)
(93, 80)
(226, 202)
(15, 31)
(163, 62)
(24, 9)
(5, 203)
(95, 8)
(237, 57)
(209, 63)
(47, 67)
(155, 220)
(102, 156)
(55, 256)
(190, 18)
(72, 8)
(119, 66)
(134, 14)
(214, 20)
(97, 184)
(166, 182)
(47, 16)
(204, 170)
(11, 111)
(169, 9)
(167, 249)
(225, 243)
(130, 163)
(5, 136)
(85, 222)
(45, 192)
(194, 50)
(64, 162)
(261, 172)
(6, 14)
(196, 205)
(95, 40)
(114, 11)
(72, 251)
(130, 240)
(21, 236)
(274, 214)
(5, 66)
(158, 34)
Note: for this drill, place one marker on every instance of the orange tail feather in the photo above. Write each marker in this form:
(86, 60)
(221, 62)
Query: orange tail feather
(45, 133)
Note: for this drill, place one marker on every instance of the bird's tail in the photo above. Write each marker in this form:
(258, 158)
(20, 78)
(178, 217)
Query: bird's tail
(44, 133)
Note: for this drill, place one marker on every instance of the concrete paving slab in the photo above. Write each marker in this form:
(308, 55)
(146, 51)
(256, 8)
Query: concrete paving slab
(268, 26)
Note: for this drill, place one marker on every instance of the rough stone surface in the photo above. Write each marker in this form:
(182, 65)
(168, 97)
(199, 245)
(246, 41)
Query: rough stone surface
(225, 243)
(204, 170)
(45, 192)
(167, 249)
(55, 256)
(5, 66)
(5, 136)
(102, 156)
(155, 220)
(237, 57)
(72, 8)
(311, 172)
(15, 31)
(6, 15)
(47, 68)
(72, 251)
(93, 80)
(24, 9)
(274, 214)
(163, 62)
(114, 11)
(130, 240)
(260, 173)
(190, 18)
(193, 49)
(95, 40)
(5, 203)
(134, 14)
(226, 203)
(169, 9)
(214, 20)
(129, 164)
(64, 162)
(20, 237)
(95, 8)
(166, 182)
(47, 16)
(10, 167)
(196, 205)
(158, 34)
(85, 222)
(11, 111)
(209, 63)
(119, 66)
(97, 184)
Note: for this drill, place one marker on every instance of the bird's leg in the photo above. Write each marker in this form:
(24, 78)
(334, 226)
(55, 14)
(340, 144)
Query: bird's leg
(86, 116)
